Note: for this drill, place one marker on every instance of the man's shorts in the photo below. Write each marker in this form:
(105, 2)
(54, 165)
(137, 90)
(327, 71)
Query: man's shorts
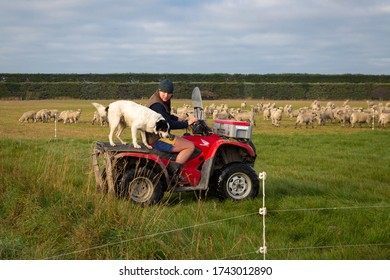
(164, 144)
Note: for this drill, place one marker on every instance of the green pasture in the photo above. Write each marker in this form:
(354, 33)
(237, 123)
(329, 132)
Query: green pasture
(327, 196)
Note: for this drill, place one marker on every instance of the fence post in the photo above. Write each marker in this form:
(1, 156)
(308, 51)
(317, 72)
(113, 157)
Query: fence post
(263, 212)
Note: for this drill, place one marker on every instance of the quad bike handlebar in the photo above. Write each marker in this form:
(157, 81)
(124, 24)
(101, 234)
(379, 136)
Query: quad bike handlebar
(200, 127)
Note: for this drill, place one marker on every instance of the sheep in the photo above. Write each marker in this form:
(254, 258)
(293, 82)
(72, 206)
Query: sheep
(329, 115)
(317, 115)
(330, 105)
(360, 117)
(73, 116)
(384, 119)
(208, 111)
(370, 104)
(53, 113)
(69, 115)
(276, 116)
(243, 105)
(315, 105)
(266, 105)
(344, 115)
(383, 109)
(293, 114)
(27, 116)
(183, 115)
(42, 115)
(287, 109)
(224, 115)
(255, 109)
(324, 115)
(260, 107)
(248, 116)
(96, 118)
(183, 110)
(101, 113)
(306, 117)
(61, 116)
(212, 107)
(266, 113)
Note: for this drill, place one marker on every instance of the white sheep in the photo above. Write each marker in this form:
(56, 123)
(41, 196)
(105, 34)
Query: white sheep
(323, 115)
(344, 115)
(248, 116)
(287, 109)
(306, 117)
(53, 114)
(315, 105)
(42, 115)
(293, 114)
(61, 116)
(384, 118)
(266, 113)
(96, 118)
(223, 115)
(30, 115)
(183, 110)
(330, 105)
(370, 104)
(276, 116)
(70, 116)
(360, 117)
(255, 109)
(73, 116)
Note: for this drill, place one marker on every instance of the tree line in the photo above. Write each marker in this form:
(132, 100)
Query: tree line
(212, 86)
(197, 77)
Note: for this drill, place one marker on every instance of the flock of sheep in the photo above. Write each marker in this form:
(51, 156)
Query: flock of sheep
(66, 116)
(45, 115)
(344, 114)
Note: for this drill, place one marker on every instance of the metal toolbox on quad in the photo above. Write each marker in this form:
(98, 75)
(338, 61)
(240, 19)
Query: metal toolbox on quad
(234, 129)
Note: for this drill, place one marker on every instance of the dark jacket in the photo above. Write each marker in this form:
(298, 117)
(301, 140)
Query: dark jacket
(156, 104)
(164, 108)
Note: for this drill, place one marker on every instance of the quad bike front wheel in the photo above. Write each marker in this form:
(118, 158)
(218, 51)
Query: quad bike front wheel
(141, 185)
(238, 181)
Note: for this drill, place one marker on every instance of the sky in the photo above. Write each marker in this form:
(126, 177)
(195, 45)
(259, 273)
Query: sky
(198, 36)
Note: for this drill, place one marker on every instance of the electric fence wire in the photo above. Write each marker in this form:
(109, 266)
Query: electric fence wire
(149, 236)
(233, 218)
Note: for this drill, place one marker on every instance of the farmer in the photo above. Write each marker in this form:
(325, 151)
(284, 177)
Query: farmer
(160, 102)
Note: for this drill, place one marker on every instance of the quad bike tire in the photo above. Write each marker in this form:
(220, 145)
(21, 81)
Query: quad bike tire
(141, 185)
(238, 182)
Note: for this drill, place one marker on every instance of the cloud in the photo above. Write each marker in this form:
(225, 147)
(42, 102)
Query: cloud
(224, 36)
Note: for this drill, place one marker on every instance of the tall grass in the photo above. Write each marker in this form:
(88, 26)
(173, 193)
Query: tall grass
(327, 197)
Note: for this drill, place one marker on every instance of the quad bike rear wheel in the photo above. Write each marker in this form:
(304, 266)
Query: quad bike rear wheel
(238, 181)
(141, 185)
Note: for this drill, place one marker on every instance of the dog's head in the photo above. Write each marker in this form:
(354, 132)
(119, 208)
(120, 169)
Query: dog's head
(162, 128)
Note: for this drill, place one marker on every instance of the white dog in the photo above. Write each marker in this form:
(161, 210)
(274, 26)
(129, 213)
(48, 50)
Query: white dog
(124, 113)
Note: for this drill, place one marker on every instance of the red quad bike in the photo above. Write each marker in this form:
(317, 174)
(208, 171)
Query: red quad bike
(223, 161)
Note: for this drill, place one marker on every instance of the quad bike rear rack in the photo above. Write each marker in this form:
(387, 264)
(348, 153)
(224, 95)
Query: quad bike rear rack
(105, 176)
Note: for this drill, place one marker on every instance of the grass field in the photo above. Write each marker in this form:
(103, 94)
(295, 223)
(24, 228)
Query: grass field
(327, 196)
